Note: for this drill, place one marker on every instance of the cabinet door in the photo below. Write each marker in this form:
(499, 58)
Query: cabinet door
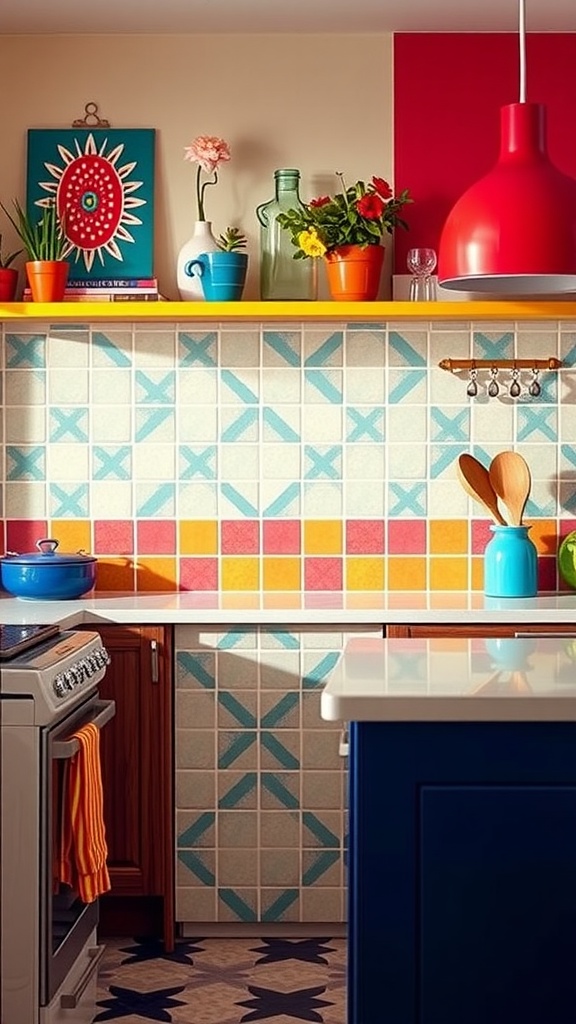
(480, 629)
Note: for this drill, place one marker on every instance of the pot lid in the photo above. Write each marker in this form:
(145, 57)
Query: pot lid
(47, 555)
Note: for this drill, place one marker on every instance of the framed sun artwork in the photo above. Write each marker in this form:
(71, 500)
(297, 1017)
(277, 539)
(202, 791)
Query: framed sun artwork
(102, 180)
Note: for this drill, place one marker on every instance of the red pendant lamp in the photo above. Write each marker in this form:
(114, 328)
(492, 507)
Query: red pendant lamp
(514, 231)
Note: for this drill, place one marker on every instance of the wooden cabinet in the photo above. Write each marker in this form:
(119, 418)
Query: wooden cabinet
(481, 629)
(137, 773)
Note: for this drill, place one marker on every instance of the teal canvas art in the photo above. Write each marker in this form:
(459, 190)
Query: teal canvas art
(102, 180)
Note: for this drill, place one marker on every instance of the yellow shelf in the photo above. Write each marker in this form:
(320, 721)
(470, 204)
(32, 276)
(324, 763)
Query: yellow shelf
(365, 312)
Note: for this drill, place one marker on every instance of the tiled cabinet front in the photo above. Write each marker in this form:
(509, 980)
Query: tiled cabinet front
(260, 783)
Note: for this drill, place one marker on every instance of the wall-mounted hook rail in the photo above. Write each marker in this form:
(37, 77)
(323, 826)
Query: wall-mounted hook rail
(453, 365)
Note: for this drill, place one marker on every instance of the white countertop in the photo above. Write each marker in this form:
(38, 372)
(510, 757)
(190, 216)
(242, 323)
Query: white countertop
(459, 680)
(294, 608)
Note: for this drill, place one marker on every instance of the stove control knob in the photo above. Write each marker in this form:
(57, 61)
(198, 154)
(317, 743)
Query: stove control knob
(59, 686)
(69, 679)
(102, 656)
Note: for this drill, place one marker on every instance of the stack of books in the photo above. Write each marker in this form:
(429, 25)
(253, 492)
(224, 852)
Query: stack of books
(111, 289)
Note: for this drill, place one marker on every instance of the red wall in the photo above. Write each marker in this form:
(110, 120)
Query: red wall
(448, 90)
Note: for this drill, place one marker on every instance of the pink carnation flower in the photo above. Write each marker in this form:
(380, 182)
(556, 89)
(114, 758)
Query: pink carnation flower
(208, 151)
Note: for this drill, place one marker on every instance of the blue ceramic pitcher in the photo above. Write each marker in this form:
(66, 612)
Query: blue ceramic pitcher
(510, 563)
(222, 274)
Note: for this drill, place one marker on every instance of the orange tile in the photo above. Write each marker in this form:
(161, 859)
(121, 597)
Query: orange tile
(544, 534)
(115, 574)
(448, 574)
(322, 536)
(198, 536)
(448, 537)
(405, 573)
(156, 573)
(240, 573)
(276, 600)
(72, 534)
(281, 573)
(364, 573)
(477, 573)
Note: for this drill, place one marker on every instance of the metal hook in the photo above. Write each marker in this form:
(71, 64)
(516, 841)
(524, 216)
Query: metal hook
(514, 389)
(472, 389)
(493, 389)
(534, 390)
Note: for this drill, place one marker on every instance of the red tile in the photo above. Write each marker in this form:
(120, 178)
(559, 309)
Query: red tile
(114, 537)
(323, 574)
(198, 574)
(22, 534)
(547, 574)
(281, 537)
(156, 536)
(365, 536)
(481, 534)
(407, 537)
(240, 537)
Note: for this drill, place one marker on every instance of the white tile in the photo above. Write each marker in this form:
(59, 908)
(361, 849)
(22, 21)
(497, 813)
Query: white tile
(197, 423)
(407, 423)
(281, 386)
(322, 423)
(111, 499)
(364, 384)
(197, 501)
(364, 498)
(364, 462)
(25, 387)
(111, 423)
(70, 386)
(153, 461)
(26, 424)
(111, 386)
(26, 499)
(196, 386)
(406, 461)
(67, 462)
(322, 500)
(69, 349)
(239, 462)
(280, 461)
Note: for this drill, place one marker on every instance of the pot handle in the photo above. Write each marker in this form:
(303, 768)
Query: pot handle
(47, 545)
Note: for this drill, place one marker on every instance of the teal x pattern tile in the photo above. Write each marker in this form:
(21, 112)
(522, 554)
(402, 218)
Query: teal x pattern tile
(279, 715)
(69, 424)
(278, 908)
(321, 355)
(25, 463)
(242, 427)
(321, 862)
(196, 864)
(192, 835)
(446, 427)
(197, 462)
(114, 463)
(316, 675)
(237, 904)
(537, 424)
(569, 358)
(286, 503)
(538, 509)
(405, 382)
(234, 745)
(275, 747)
(364, 424)
(286, 345)
(283, 639)
(155, 388)
(242, 715)
(323, 462)
(69, 502)
(277, 427)
(159, 501)
(486, 347)
(236, 638)
(407, 500)
(198, 668)
(237, 793)
(110, 350)
(442, 457)
(238, 387)
(154, 421)
(549, 390)
(239, 500)
(275, 786)
(197, 350)
(404, 349)
(321, 833)
(568, 452)
(25, 351)
(326, 383)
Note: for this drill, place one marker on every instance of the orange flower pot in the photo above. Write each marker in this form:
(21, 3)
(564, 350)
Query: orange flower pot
(354, 272)
(47, 279)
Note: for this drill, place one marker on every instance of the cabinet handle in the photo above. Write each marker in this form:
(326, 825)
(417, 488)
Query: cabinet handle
(71, 1000)
(343, 745)
(550, 636)
(154, 661)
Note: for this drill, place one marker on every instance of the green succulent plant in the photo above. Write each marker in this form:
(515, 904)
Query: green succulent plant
(231, 240)
(44, 239)
(5, 261)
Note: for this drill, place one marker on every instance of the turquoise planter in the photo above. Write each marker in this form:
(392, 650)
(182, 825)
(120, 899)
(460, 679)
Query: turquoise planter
(510, 563)
(222, 274)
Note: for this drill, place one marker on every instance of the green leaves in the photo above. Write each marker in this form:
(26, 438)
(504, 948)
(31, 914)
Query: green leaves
(5, 261)
(43, 239)
(231, 240)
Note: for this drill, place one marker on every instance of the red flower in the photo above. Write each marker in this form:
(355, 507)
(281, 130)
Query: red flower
(321, 201)
(382, 187)
(371, 206)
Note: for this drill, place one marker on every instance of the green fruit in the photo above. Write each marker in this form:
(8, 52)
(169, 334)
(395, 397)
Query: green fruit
(567, 559)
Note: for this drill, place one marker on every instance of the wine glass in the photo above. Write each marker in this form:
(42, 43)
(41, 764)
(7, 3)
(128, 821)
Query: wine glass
(422, 264)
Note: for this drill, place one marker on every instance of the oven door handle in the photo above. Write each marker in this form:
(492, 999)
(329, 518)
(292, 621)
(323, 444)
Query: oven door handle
(105, 710)
(70, 1000)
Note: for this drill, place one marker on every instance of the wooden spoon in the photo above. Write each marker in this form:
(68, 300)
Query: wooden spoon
(475, 480)
(510, 478)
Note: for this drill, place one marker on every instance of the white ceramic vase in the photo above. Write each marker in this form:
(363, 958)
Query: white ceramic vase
(202, 240)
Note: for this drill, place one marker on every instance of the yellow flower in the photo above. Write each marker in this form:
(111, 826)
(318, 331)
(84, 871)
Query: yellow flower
(310, 244)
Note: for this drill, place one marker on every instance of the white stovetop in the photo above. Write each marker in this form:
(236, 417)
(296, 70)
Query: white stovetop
(354, 608)
(439, 680)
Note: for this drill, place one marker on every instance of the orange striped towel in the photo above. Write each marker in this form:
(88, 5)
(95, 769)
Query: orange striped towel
(84, 851)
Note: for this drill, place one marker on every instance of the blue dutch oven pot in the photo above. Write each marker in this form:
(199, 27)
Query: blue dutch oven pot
(46, 575)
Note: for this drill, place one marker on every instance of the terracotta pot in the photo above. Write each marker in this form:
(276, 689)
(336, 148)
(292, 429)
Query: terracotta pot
(8, 284)
(354, 272)
(47, 279)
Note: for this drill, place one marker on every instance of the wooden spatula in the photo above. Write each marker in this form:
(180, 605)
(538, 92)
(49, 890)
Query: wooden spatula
(475, 480)
(510, 479)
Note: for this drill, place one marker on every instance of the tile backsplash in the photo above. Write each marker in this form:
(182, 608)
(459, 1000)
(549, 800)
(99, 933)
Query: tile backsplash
(268, 457)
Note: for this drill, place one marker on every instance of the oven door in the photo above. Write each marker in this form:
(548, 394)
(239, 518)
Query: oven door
(65, 921)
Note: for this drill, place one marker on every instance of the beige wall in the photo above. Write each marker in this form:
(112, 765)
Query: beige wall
(319, 103)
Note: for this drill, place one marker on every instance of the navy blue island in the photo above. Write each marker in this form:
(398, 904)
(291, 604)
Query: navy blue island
(462, 848)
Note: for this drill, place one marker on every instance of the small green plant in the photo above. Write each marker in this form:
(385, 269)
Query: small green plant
(43, 239)
(231, 240)
(5, 261)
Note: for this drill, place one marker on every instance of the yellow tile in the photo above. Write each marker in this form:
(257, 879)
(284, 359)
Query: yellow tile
(477, 582)
(115, 574)
(281, 573)
(198, 536)
(323, 536)
(365, 573)
(240, 573)
(448, 537)
(156, 573)
(544, 534)
(72, 534)
(448, 574)
(406, 573)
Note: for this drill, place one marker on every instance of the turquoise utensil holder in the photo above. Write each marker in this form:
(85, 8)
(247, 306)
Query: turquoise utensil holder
(510, 563)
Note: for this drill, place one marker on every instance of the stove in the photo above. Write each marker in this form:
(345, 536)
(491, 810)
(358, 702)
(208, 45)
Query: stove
(14, 639)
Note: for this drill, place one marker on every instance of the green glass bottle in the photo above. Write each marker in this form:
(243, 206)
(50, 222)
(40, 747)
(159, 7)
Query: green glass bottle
(281, 276)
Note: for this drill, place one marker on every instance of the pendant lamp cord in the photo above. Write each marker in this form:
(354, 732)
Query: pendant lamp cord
(522, 40)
